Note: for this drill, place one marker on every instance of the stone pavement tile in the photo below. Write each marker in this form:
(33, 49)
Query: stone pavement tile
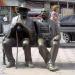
(2, 69)
(66, 55)
(28, 71)
(66, 59)
(67, 72)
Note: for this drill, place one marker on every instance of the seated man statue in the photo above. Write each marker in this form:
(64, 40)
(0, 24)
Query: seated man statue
(48, 33)
(25, 30)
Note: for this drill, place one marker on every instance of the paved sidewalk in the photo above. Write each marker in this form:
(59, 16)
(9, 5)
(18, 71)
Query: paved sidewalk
(65, 61)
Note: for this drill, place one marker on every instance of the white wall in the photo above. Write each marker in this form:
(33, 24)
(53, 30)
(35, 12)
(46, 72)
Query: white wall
(12, 2)
(65, 11)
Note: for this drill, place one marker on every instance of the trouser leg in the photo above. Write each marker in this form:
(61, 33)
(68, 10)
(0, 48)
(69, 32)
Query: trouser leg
(27, 50)
(54, 51)
(43, 50)
(7, 46)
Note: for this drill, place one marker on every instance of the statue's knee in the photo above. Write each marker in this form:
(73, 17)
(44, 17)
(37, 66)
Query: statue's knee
(55, 42)
(4, 43)
(25, 42)
(41, 45)
(40, 42)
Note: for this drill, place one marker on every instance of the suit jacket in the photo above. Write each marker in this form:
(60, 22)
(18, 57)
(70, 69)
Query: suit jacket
(54, 29)
(28, 27)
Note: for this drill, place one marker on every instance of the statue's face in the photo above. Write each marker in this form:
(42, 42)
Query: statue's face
(24, 14)
(44, 16)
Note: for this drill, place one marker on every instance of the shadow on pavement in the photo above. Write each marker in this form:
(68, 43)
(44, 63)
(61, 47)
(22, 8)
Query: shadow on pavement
(67, 45)
(41, 65)
(66, 66)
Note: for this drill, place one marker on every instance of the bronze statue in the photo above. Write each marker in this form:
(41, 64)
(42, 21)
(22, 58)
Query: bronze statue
(25, 30)
(48, 34)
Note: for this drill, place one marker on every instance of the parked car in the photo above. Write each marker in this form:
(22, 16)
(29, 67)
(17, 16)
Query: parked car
(67, 26)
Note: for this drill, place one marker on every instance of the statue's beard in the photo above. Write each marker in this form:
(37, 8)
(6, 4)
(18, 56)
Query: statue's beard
(45, 18)
(24, 17)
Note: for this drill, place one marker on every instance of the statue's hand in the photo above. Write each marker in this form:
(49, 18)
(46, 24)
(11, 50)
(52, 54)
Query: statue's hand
(56, 38)
(18, 28)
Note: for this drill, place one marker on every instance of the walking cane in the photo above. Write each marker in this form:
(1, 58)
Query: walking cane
(17, 49)
(4, 61)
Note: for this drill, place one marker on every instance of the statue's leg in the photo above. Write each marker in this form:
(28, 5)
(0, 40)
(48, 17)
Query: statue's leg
(54, 51)
(43, 50)
(27, 52)
(7, 46)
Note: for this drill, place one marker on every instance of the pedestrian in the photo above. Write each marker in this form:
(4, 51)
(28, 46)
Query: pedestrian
(24, 36)
(55, 14)
(48, 32)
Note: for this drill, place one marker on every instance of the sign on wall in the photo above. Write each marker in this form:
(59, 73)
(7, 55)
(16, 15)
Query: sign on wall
(8, 2)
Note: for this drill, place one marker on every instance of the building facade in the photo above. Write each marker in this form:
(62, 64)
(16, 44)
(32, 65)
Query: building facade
(7, 7)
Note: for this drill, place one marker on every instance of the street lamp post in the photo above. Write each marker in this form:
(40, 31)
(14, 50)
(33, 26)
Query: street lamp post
(47, 5)
(58, 2)
(10, 14)
(67, 4)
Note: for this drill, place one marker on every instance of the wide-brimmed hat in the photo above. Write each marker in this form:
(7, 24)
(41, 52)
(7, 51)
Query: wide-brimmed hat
(23, 7)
